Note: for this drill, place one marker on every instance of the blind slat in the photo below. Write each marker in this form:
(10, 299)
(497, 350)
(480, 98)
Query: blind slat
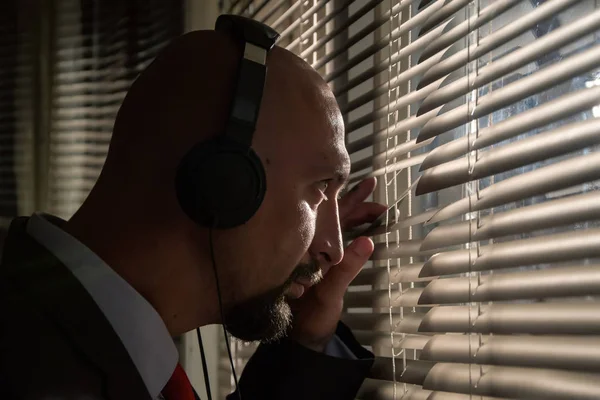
(550, 318)
(549, 214)
(379, 228)
(516, 382)
(397, 166)
(406, 248)
(379, 339)
(286, 14)
(233, 5)
(543, 249)
(414, 373)
(380, 159)
(553, 282)
(80, 135)
(533, 318)
(374, 389)
(86, 100)
(381, 322)
(72, 160)
(259, 8)
(381, 276)
(543, 180)
(406, 222)
(561, 352)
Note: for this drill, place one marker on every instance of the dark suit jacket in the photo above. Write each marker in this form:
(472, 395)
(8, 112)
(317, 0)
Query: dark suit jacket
(55, 343)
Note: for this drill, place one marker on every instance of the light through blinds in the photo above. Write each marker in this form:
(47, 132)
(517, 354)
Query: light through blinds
(479, 119)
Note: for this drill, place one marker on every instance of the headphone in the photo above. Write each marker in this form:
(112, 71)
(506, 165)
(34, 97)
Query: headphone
(221, 183)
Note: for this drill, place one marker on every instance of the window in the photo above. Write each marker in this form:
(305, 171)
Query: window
(479, 119)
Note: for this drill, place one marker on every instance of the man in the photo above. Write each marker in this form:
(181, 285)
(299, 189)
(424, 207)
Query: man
(90, 305)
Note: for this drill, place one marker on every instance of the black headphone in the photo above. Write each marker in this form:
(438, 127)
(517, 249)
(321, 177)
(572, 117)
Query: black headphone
(221, 183)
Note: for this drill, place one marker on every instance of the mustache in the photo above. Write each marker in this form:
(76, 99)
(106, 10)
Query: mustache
(309, 270)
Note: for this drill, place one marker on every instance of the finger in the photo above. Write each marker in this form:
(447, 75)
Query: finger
(356, 195)
(336, 281)
(364, 213)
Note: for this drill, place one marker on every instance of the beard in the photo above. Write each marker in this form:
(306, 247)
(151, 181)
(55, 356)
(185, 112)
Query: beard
(268, 317)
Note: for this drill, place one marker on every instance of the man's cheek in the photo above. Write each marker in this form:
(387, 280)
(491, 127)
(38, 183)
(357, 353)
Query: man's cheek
(306, 226)
(297, 236)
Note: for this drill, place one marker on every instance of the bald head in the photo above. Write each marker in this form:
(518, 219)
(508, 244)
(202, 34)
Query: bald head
(185, 95)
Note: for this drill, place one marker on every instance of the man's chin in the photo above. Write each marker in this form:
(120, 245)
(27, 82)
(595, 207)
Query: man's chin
(268, 317)
(260, 320)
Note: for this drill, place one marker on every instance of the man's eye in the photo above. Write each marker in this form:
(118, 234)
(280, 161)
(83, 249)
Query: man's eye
(322, 187)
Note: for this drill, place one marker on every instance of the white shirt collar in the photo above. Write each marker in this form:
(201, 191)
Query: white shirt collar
(136, 322)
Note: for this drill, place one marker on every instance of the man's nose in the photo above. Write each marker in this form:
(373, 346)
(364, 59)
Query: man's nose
(327, 244)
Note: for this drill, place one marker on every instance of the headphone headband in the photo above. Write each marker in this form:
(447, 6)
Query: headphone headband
(248, 30)
(257, 40)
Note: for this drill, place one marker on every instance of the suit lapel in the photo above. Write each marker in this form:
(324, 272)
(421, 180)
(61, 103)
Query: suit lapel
(56, 290)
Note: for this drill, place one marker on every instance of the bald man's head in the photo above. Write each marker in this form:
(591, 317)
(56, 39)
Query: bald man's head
(182, 98)
(185, 95)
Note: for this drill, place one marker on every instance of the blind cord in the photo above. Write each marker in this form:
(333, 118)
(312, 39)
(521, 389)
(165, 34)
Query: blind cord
(214, 264)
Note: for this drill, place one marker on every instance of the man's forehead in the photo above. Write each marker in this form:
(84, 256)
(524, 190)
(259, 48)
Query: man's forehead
(321, 137)
(331, 159)
(303, 114)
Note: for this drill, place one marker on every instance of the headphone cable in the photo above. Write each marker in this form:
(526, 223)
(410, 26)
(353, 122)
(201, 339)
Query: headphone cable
(204, 367)
(214, 263)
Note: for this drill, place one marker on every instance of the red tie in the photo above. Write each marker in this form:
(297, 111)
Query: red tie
(179, 386)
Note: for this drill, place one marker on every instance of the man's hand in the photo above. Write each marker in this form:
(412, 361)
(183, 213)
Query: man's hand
(317, 313)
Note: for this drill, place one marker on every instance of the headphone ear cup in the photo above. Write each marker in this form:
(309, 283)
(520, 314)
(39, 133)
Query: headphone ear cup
(220, 183)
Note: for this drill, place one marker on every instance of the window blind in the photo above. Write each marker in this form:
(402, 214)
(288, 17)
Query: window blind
(9, 56)
(100, 47)
(17, 75)
(479, 118)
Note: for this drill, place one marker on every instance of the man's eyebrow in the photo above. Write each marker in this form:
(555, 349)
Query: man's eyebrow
(338, 173)
(342, 177)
